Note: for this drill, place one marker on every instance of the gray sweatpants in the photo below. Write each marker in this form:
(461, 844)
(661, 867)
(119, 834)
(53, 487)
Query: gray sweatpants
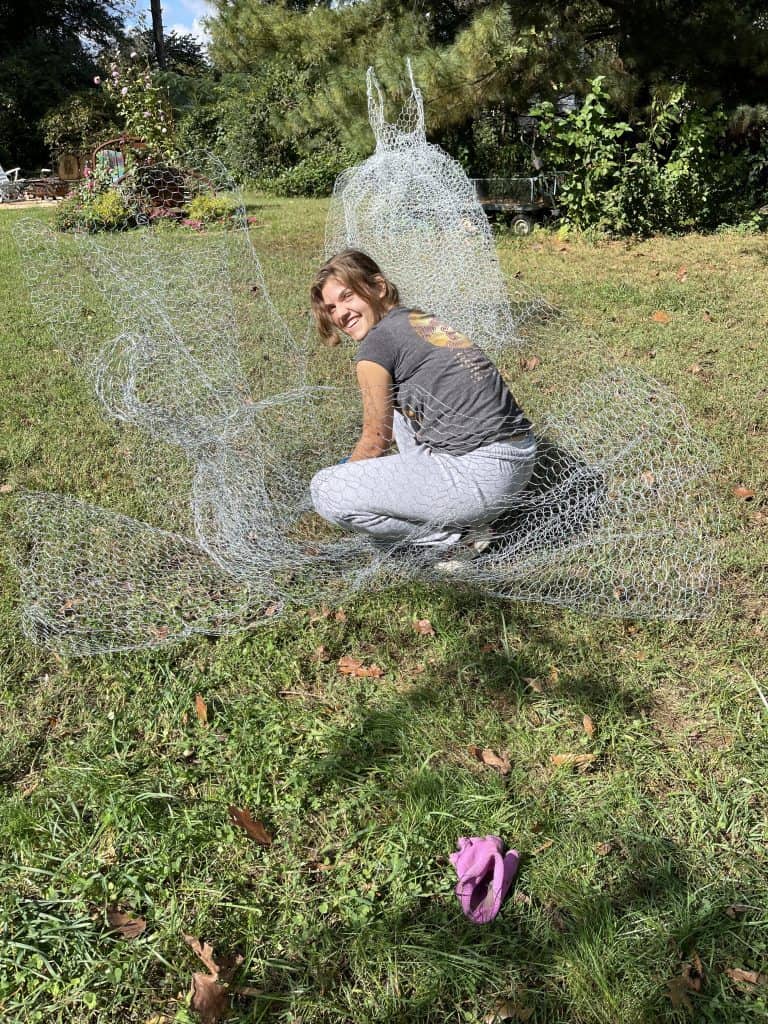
(423, 496)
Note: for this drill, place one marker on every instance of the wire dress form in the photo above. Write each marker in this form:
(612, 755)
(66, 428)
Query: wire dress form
(226, 431)
(412, 208)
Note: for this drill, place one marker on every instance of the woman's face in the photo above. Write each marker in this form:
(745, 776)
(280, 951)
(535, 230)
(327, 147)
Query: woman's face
(349, 311)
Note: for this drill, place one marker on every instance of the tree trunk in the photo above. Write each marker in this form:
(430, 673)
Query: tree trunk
(157, 32)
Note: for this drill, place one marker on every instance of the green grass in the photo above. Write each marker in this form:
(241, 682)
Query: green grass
(114, 793)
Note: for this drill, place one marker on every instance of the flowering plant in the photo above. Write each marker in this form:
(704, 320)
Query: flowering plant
(141, 102)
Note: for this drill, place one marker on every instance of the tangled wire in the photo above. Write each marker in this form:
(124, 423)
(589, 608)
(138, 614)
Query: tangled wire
(618, 519)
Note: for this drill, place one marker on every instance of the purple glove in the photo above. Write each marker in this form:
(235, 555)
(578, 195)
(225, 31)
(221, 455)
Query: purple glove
(485, 875)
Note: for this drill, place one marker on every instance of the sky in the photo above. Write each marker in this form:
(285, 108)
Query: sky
(180, 16)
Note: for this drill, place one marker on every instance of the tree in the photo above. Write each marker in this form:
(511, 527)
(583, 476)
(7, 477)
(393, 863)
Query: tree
(47, 52)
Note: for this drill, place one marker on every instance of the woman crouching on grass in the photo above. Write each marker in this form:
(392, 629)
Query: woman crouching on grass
(464, 447)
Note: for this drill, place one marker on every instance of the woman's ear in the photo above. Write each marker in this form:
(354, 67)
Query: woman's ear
(381, 286)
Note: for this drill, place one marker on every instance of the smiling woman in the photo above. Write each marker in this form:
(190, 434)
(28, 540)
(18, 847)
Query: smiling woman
(464, 447)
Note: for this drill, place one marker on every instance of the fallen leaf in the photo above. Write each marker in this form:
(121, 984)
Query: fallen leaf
(743, 493)
(696, 369)
(340, 615)
(489, 648)
(544, 846)
(315, 614)
(660, 316)
(555, 916)
(531, 363)
(222, 968)
(689, 980)
(272, 609)
(349, 666)
(210, 999)
(588, 726)
(682, 274)
(522, 898)
(201, 709)
(759, 518)
(6, 488)
(126, 925)
(424, 627)
(255, 829)
(648, 478)
(603, 849)
(320, 654)
(535, 684)
(746, 977)
(707, 316)
(504, 1010)
(487, 756)
(736, 909)
(574, 760)
(159, 632)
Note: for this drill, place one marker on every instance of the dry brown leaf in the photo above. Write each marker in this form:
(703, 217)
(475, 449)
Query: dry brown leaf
(317, 614)
(707, 316)
(689, 980)
(603, 849)
(255, 829)
(544, 846)
(210, 999)
(320, 654)
(660, 316)
(737, 909)
(574, 760)
(424, 627)
(682, 274)
(272, 609)
(349, 666)
(759, 518)
(204, 952)
(159, 632)
(531, 363)
(340, 615)
(6, 488)
(535, 684)
(505, 1010)
(201, 709)
(126, 925)
(555, 915)
(696, 369)
(588, 726)
(743, 493)
(648, 478)
(487, 756)
(746, 977)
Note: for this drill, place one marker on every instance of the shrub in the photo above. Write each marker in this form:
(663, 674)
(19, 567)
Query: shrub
(208, 208)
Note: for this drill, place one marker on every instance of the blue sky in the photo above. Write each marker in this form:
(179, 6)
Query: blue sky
(181, 15)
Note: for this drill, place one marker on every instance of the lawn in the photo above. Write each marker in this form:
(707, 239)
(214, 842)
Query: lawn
(642, 894)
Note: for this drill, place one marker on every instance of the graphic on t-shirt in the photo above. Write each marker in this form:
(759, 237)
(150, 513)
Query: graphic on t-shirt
(436, 333)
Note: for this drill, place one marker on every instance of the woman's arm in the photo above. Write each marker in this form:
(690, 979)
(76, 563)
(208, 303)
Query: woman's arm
(376, 387)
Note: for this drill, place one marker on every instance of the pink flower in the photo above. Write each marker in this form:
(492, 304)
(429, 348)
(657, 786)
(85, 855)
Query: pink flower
(485, 875)
(124, 91)
(96, 80)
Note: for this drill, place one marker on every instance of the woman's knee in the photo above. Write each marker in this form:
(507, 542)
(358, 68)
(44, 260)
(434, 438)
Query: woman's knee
(327, 493)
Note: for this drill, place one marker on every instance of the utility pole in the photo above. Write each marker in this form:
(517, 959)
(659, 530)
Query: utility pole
(157, 32)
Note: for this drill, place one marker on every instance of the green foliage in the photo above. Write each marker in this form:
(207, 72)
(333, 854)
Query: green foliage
(211, 208)
(588, 144)
(313, 175)
(82, 121)
(141, 102)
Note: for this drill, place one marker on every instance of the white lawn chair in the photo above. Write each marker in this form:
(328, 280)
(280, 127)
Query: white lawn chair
(11, 186)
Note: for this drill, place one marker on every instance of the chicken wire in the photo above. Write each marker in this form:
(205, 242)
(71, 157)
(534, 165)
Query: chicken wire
(414, 210)
(617, 520)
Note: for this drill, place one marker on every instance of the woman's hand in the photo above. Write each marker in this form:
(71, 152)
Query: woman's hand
(376, 387)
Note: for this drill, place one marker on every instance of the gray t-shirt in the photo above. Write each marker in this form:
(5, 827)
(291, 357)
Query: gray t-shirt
(449, 389)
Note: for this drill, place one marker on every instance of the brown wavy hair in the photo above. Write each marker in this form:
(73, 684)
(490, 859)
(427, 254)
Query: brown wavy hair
(363, 275)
